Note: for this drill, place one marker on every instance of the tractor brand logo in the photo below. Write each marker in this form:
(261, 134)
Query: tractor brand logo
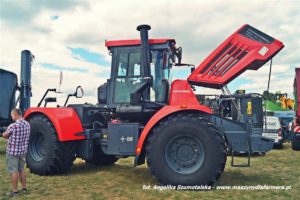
(182, 91)
(126, 139)
(263, 50)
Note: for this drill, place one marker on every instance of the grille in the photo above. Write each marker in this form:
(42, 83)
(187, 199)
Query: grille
(225, 60)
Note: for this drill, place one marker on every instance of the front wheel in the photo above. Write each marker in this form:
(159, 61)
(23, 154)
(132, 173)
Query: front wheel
(296, 143)
(46, 154)
(186, 150)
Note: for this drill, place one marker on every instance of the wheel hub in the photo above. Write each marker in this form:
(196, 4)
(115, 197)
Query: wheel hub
(185, 154)
(38, 146)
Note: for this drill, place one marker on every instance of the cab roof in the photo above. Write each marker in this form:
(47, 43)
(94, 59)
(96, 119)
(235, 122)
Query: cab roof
(134, 42)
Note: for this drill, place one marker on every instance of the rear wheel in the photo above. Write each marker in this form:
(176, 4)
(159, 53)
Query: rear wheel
(46, 154)
(186, 150)
(278, 146)
(101, 159)
(296, 143)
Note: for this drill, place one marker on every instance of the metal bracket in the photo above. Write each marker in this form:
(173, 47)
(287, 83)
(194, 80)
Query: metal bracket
(89, 134)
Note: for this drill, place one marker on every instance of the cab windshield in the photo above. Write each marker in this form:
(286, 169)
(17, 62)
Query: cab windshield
(130, 75)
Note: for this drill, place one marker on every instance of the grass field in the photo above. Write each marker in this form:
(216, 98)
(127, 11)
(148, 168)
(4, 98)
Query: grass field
(122, 181)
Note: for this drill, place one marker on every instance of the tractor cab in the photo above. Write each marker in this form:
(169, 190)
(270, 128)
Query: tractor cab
(137, 86)
(128, 74)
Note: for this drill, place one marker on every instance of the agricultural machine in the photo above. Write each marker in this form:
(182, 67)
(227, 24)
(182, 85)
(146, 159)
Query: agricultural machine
(278, 101)
(295, 135)
(142, 113)
(9, 87)
(278, 108)
(279, 105)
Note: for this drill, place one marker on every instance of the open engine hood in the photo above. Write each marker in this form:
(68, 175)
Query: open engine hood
(246, 49)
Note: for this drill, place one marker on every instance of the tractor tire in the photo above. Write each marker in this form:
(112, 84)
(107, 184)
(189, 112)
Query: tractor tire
(186, 149)
(101, 159)
(296, 144)
(278, 146)
(46, 154)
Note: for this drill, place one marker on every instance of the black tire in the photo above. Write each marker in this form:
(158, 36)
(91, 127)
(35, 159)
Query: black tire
(296, 144)
(278, 146)
(101, 159)
(46, 154)
(186, 149)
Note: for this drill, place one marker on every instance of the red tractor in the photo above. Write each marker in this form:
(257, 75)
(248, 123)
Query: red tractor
(142, 113)
(295, 136)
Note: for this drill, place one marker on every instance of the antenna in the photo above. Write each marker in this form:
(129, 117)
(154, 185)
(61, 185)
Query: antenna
(60, 80)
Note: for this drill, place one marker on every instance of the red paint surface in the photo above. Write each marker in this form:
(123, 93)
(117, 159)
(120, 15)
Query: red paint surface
(181, 93)
(216, 71)
(114, 43)
(65, 121)
(297, 96)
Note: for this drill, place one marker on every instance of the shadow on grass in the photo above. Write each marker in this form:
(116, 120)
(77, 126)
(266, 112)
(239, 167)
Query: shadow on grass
(254, 155)
(142, 174)
(119, 170)
(83, 168)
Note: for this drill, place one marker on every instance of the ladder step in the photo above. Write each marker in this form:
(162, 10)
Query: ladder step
(247, 164)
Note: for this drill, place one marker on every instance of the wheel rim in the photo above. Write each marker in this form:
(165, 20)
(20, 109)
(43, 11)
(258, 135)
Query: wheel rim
(184, 154)
(38, 146)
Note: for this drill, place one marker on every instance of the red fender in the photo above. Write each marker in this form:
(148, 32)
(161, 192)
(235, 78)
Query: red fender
(65, 121)
(162, 113)
(182, 98)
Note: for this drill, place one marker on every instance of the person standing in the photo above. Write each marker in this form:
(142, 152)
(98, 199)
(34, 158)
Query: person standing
(18, 138)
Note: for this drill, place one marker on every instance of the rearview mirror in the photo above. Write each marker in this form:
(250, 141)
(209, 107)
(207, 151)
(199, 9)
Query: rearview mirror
(192, 69)
(79, 92)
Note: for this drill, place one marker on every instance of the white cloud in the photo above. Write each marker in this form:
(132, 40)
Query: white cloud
(196, 25)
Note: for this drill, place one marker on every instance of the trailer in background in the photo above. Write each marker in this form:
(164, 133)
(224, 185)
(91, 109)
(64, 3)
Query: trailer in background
(9, 88)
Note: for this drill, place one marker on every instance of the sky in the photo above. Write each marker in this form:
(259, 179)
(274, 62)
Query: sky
(70, 36)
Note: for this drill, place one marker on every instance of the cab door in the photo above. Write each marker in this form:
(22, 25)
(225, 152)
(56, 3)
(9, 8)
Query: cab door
(127, 74)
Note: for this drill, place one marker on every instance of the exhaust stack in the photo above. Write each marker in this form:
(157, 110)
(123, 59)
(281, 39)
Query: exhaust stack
(25, 84)
(145, 50)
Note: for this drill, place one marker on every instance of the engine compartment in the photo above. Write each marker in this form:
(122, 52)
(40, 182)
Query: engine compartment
(238, 107)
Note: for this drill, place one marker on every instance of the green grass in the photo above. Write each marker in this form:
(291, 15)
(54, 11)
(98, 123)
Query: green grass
(123, 181)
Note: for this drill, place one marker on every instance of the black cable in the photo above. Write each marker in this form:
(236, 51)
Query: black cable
(266, 99)
(270, 71)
